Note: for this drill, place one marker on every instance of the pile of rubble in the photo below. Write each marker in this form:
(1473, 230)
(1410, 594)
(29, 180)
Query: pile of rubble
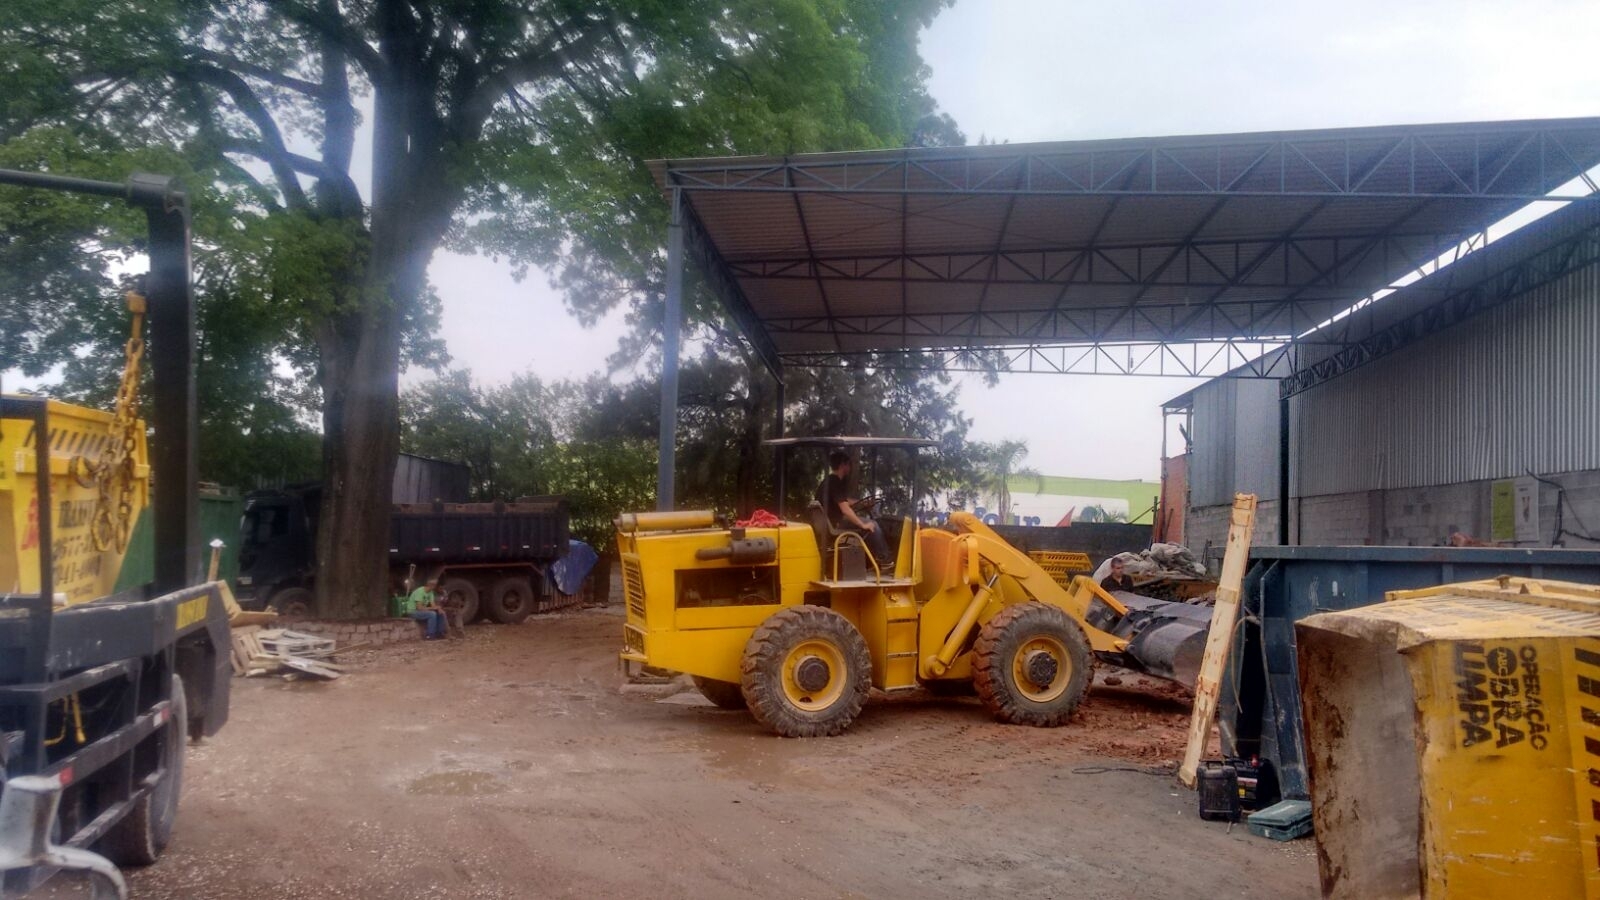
(1165, 571)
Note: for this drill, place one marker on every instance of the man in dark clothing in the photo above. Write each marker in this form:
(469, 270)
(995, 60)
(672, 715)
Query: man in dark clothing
(834, 495)
(1118, 580)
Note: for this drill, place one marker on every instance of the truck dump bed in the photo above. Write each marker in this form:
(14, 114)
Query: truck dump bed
(529, 530)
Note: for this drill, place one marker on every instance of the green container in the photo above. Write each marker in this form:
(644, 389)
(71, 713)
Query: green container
(1282, 821)
(219, 519)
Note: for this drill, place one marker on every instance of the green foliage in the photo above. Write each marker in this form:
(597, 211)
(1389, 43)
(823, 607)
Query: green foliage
(595, 441)
(528, 438)
(518, 128)
(996, 465)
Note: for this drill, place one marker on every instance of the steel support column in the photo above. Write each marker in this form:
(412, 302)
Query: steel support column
(671, 326)
(778, 455)
(1283, 472)
(173, 447)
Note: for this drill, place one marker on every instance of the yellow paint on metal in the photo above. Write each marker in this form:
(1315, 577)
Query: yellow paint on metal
(666, 521)
(1503, 794)
(1051, 647)
(815, 650)
(192, 611)
(914, 632)
(1061, 565)
(79, 438)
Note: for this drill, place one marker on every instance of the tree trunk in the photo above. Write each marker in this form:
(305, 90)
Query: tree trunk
(360, 354)
(747, 477)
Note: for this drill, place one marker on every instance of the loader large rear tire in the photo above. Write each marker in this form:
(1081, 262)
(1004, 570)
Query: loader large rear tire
(1031, 665)
(806, 672)
(722, 694)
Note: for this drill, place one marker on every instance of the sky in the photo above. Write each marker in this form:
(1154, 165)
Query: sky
(1044, 70)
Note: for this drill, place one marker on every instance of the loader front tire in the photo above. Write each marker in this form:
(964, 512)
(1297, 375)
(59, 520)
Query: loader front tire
(722, 694)
(1031, 665)
(806, 672)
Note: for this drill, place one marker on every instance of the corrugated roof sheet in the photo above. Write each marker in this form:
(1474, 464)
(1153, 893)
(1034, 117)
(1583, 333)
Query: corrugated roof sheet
(1165, 240)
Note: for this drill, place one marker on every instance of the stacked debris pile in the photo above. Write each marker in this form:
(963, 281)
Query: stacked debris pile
(1165, 572)
(292, 654)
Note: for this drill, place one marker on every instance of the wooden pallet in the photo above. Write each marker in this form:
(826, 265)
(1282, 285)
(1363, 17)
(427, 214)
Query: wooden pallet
(271, 651)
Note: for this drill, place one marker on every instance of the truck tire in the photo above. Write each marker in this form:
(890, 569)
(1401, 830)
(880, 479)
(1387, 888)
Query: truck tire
(293, 603)
(1031, 665)
(806, 672)
(722, 694)
(511, 600)
(140, 836)
(464, 594)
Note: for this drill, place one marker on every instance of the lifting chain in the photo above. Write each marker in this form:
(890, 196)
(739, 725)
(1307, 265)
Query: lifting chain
(110, 528)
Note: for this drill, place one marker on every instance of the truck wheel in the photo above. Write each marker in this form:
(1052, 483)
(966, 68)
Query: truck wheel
(464, 594)
(806, 672)
(293, 603)
(511, 599)
(722, 694)
(1031, 665)
(140, 836)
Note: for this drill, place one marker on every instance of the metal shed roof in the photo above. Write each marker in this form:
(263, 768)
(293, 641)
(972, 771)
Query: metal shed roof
(1172, 255)
(1541, 252)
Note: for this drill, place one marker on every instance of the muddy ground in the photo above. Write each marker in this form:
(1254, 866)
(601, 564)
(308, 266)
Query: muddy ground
(515, 764)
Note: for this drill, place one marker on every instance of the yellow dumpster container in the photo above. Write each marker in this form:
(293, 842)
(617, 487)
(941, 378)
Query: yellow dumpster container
(1453, 740)
(78, 437)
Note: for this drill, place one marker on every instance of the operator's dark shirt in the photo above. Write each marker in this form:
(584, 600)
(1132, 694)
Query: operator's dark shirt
(830, 492)
(1110, 583)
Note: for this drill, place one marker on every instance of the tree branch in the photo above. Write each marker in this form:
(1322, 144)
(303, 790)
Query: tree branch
(262, 73)
(335, 28)
(273, 151)
(550, 59)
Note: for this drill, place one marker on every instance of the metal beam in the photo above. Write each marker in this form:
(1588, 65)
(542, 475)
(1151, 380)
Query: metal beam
(1522, 275)
(721, 281)
(1213, 359)
(174, 457)
(671, 324)
(1402, 162)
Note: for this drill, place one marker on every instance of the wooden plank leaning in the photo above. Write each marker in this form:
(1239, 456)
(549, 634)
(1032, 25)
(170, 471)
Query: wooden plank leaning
(1219, 640)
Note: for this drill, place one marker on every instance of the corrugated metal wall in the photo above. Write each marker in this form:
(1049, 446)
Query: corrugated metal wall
(418, 479)
(1514, 389)
(1235, 441)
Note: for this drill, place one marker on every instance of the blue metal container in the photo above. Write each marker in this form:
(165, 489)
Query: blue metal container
(1260, 702)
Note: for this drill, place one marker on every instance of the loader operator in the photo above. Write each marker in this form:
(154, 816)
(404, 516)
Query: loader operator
(834, 495)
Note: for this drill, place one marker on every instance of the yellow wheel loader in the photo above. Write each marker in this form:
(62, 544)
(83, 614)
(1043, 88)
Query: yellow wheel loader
(795, 622)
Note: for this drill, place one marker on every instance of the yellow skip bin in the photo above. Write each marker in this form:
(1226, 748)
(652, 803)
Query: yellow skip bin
(84, 567)
(1453, 735)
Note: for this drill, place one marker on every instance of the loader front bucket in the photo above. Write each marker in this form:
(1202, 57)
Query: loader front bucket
(1165, 639)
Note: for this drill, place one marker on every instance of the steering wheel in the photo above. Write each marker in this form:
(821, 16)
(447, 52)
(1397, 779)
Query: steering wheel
(866, 504)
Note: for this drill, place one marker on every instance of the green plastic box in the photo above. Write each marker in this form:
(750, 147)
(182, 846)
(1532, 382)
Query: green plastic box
(1282, 821)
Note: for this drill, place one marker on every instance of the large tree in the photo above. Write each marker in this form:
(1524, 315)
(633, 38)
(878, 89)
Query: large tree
(516, 126)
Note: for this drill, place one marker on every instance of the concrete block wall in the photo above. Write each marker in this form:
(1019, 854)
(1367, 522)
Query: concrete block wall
(357, 631)
(1205, 529)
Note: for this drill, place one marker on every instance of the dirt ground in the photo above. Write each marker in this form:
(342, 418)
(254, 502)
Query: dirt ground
(516, 764)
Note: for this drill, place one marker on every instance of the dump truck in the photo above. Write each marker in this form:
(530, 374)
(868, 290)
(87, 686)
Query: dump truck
(490, 559)
(795, 621)
(99, 687)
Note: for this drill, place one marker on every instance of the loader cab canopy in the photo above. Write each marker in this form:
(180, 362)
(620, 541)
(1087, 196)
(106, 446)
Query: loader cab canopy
(891, 474)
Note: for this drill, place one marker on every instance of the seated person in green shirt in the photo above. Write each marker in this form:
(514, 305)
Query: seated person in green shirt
(421, 606)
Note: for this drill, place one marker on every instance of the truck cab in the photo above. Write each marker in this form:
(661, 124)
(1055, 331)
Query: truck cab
(277, 547)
